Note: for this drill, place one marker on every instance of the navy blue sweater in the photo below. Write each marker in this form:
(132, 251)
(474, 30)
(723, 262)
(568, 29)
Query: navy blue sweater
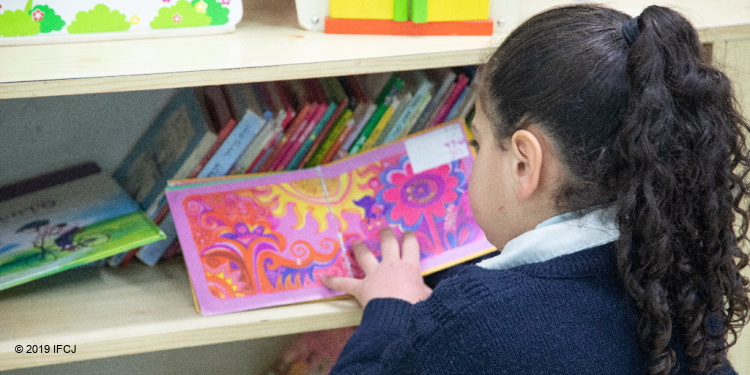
(568, 315)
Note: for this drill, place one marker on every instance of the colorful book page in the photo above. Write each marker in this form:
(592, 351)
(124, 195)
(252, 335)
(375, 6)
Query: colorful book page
(266, 240)
(257, 243)
(419, 185)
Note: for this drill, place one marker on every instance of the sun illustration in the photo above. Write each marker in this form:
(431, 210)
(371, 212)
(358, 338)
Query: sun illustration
(308, 196)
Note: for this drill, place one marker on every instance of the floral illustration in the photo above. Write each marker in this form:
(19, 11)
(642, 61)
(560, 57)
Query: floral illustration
(30, 21)
(182, 14)
(410, 197)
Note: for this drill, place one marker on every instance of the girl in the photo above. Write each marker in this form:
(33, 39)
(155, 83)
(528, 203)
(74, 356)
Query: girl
(611, 171)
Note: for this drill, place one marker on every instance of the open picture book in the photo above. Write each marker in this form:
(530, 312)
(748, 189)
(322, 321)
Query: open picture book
(256, 241)
(64, 219)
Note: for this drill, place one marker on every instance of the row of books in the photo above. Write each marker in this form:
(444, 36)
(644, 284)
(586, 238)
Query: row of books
(80, 215)
(279, 126)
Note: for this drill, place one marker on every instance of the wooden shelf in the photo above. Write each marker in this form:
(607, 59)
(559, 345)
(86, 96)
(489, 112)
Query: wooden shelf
(268, 45)
(108, 312)
(111, 312)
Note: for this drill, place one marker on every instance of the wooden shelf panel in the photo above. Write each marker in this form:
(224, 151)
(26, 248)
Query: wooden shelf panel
(267, 45)
(110, 312)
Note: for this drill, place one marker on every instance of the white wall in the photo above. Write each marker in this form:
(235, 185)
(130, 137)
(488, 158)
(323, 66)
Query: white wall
(39, 135)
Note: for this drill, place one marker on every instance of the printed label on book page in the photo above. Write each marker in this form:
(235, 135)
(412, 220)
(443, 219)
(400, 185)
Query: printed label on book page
(436, 148)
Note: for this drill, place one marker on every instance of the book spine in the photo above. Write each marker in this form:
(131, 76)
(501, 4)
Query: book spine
(265, 152)
(468, 105)
(286, 101)
(183, 172)
(420, 109)
(318, 138)
(361, 122)
(307, 141)
(221, 162)
(367, 130)
(251, 151)
(330, 139)
(408, 113)
(151, 253)
(222, 136)
(252, 102)
(437, 98)
(172, 250)
(117, 259)
(450, 100)
(282, 143)
(349, 127)
(378, 129)
(294, 142)
(459, 102)
(388, 89)
(333, 151)
(398, 111)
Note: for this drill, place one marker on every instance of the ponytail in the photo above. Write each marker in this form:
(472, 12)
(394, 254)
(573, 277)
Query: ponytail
(680, 164)
(644, 125)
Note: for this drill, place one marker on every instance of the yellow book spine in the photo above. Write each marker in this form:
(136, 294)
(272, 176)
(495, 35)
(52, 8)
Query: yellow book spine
(378, 129)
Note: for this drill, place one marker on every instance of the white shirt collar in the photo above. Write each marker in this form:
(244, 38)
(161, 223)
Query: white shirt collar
(560, 235)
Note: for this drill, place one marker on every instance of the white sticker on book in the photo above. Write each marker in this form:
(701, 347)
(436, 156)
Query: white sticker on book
(437, 147)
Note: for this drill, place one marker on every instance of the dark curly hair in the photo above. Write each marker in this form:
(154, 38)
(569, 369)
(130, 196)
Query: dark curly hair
(653, 130)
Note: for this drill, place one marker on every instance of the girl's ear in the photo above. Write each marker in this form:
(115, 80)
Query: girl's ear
(527, 163)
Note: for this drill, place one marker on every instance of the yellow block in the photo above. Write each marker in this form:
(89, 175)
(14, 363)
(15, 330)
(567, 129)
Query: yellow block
(457, 10)
(361, 9)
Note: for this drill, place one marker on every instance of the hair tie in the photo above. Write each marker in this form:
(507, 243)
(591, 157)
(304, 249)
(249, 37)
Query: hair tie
(630, 30)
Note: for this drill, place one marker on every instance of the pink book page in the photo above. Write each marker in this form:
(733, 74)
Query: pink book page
(266, 240)
(420, 185)
(258, 242)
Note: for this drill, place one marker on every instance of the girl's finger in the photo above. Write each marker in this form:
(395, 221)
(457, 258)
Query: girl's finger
(389, 245)
(410, 248)
(365, 258)
(346, 285)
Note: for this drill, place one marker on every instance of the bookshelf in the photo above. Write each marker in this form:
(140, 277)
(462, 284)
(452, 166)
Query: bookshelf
(114, 312)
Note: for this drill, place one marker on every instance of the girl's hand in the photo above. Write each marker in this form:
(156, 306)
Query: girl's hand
(398, 275)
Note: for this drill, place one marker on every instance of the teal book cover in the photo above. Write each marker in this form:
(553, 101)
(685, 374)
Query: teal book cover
(163, 148)
(66, 219)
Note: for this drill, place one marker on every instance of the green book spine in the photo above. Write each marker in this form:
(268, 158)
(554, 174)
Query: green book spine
(329, 139)
(401, 10)
(419, 11)
(367, 130)
(387, 89)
